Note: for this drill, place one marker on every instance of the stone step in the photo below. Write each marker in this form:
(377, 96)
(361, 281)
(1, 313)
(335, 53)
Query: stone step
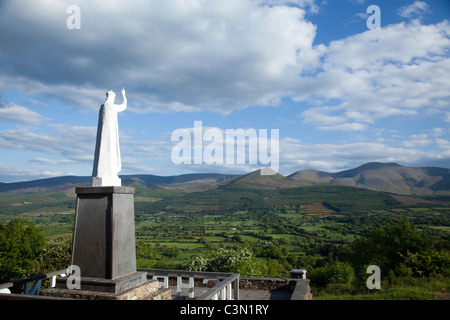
(138, 292)
(161, 294)
(142, 291)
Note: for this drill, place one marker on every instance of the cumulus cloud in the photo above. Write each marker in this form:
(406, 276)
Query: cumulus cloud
(221, 55)
(172, 55)
(46, 162)
(65, 150)
(447, 116)
(69, 142)
(68, 149)
(15, 174)
(417, 140)
(12, 112)
(443, 143)
(329, 157)
(398, 70)
(414, 10)
(295, 154)
(71, 149)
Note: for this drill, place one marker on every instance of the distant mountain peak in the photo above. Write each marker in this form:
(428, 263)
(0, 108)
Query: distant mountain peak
(387, 177)
(378, 165)
(261, 179)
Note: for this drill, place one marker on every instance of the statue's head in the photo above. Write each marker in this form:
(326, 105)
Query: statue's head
(110, 95)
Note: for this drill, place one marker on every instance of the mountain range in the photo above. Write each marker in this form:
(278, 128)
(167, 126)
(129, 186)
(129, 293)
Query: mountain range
(385, 177)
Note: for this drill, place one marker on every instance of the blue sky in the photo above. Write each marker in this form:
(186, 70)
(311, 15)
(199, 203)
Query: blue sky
(340, 94)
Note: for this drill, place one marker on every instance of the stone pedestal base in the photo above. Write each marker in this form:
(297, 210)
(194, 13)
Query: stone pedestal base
(104, 243)
(104, 249)
(144, 291)
(117, 285)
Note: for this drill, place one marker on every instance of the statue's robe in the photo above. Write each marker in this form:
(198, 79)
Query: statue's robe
(107, 162)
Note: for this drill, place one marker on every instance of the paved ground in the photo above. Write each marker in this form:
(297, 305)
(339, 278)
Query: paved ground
(263, 295)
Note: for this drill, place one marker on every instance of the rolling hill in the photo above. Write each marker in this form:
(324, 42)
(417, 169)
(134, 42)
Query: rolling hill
(198, 181)
(272, 181)
(386, 177)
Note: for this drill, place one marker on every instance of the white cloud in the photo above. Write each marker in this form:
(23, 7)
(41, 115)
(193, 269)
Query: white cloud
(12, 112)
(188, 55)
(417, 140)
(399, 70)
(443, 143)
(15, 174)
(347, 126)
(447, 116)
(415, 10)
(335, 118)
(47, 162)
(296, 155)
(69, 150)
(69, 142)
(222, 55)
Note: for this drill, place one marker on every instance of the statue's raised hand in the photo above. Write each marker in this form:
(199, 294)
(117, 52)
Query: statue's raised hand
(123, 92)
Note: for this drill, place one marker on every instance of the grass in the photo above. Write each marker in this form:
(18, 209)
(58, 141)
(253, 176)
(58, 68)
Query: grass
(198, 221)
(433, 288)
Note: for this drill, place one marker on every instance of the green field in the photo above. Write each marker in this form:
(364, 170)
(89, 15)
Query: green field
(301, 227)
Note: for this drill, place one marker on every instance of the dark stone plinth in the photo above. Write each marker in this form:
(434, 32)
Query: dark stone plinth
(104, 249)
(104, 235)
(104, 190)
(116, 285)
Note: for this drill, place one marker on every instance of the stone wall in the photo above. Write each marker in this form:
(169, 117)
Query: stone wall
(267, 284)
(299, 287)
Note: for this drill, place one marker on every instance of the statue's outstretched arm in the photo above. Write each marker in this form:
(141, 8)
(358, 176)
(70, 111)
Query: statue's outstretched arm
(123, 106)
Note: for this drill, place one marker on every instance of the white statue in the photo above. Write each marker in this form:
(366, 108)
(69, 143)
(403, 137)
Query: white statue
(107, 163)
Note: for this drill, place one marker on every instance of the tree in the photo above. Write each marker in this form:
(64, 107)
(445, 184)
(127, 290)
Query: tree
(239, 260)
(173, 252)
(429, 263)
(387, 246)
(21, 243)
(145, 250)
(335, 273)
(53, 258)
(273, 268)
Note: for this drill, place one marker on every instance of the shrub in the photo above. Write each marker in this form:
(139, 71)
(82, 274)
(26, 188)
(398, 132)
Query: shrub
(239, 260)
(21, 243)
(336, 273)
(429, 263)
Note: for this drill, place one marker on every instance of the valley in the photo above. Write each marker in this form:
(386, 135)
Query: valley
(284, 222)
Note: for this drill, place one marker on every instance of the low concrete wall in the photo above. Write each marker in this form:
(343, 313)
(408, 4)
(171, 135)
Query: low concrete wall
(302, 290)
(267, 284)
(299, 287)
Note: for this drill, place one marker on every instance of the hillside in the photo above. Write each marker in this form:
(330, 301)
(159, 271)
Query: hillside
(386, 177)
(272, 181)
(198, 181)
(42, 185)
